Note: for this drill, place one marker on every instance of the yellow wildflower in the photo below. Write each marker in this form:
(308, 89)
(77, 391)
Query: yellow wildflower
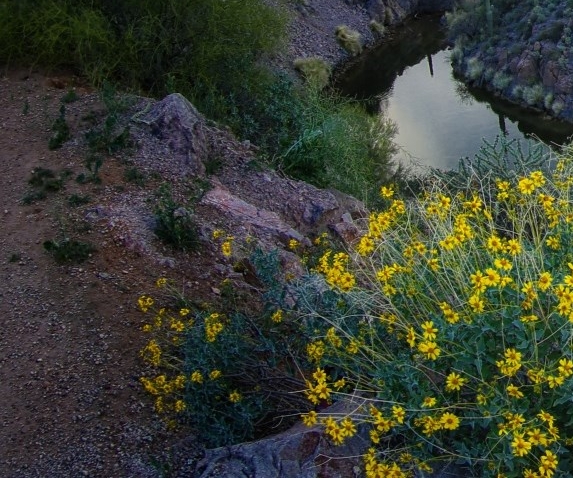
(235, 397)
(513, 391)
(398, 413)
(277, 317)
(310, 418)
(428, 330)
(386, 192)
(430, 349)
(520, 445)
(144, 303)
(454, 382)
(449, 421)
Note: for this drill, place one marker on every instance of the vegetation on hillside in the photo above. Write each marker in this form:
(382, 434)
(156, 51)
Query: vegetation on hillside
(448, 325)
(215, 53)
(491, 38)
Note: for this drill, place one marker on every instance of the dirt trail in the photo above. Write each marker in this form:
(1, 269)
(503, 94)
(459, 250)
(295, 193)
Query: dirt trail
(69, 334)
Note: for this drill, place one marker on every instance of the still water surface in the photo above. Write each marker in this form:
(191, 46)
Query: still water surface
(439, 119)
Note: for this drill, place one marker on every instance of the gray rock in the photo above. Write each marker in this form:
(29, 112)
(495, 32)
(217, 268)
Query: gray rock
(303, 452)
(177, 122)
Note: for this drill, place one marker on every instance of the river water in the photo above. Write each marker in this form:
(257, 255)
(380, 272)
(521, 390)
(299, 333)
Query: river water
(439, 119)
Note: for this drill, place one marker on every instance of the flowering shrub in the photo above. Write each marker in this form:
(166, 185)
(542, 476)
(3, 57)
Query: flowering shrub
(229, 375)
(451, 326)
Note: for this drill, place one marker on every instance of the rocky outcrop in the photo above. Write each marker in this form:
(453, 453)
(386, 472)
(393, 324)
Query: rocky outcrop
(302, 452)
(299, 452)
(176, 141)
(312, 29)
(528, 60)
(179, 125)
(391, 12)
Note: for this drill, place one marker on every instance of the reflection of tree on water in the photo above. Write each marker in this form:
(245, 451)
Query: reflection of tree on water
(463, 94)
(430, 65)
(502, 126)
(375, 72)
(530, 123)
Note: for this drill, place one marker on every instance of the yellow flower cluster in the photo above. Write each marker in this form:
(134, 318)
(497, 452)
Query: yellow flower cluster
(440, 207)
(378, 223)
(511, 363)
(430, 424)
(376, 469)
(151, 353)
(539, 432)
(334, 268)
(145, 303)
(227, 244)
(319, 390)
(214, 325)
(530, 183)
(430, 349)
(315, 351)
(165, 392)
(451, 316)
(339, 431)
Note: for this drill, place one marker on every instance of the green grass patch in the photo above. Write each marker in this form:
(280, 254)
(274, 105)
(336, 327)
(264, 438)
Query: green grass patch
(69, 250)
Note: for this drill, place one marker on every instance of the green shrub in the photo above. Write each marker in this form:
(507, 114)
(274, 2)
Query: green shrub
(452, 328)
(552, 32)
(349, 39)
(69, 250)
(230, 375)
(501, 81)
(475, 69)
(533, 95)
(377, 28)
(174, 222)
(61, 130)
(341, 146)
(316, 71)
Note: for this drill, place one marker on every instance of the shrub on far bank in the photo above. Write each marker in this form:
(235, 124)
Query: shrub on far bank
(349, 39)
(315, 70)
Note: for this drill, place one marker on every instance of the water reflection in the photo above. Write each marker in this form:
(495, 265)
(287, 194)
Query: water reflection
(439, 119)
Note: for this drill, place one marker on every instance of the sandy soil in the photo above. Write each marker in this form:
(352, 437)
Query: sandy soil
(70, 334)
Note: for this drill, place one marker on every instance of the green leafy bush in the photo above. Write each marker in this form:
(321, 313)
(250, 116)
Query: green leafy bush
(174, 222)
(316, 71)
(69, 250)
(341, 146)
(451, 329)
(349, 39)
(230, 375)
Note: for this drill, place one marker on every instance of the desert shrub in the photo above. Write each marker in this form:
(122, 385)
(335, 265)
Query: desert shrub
(475, 69)
(174, 222)
(69, 250)
(533, 95)
(557, 107)
(452, 331)
(501, 80)
(230, 375)
(341, 146)
(377, 28)
(466, 20)
(315, 70)
(57, 34)
(349, 39)
(552, 32)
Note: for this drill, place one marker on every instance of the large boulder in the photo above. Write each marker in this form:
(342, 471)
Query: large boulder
(177, 122)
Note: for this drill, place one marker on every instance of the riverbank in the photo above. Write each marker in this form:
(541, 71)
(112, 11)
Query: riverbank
(526, 57)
